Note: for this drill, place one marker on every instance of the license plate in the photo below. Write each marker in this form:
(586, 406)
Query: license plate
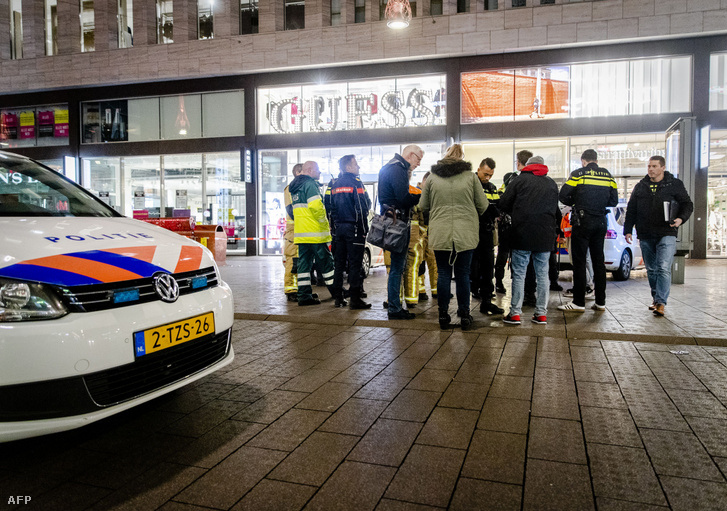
(173, 334)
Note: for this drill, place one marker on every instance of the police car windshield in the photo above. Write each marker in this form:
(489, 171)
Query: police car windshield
(29, 189)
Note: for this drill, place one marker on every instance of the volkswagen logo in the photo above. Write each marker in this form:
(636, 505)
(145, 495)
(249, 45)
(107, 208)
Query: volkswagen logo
(166, 287)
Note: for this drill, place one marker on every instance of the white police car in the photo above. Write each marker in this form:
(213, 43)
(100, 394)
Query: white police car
(98, 312)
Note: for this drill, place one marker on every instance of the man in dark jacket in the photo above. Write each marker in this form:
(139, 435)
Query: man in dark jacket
(532, 202)
(349, 213)
(394, 193)
(659, 204)
(589, 190)
(483, 260)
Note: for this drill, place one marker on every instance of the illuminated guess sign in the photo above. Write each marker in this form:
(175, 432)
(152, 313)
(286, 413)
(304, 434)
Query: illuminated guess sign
(385, 104)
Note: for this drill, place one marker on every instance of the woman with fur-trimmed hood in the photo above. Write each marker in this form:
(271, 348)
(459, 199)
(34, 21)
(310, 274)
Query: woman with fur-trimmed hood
(454, 198)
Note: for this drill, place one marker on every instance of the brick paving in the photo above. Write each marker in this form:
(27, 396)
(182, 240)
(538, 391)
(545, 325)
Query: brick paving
(316, 415)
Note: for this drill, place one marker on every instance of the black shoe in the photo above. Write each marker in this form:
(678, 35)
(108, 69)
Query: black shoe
(402, 314)
(491, 309)
(386, 305)
(445, 321)
(340, 302)
(346, 293)
(476, 295)
(500, 288)
(292, 297)
(423, 296)
(315, 295)
(363, 294)
(410, 305)
(358, 304)
(556, 287)
(309, 301)
(467, 322)
(434, 295)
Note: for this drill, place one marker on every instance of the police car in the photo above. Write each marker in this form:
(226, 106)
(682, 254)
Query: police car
(98, 312)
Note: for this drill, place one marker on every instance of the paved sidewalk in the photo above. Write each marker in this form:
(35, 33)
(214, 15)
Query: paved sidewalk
(362, 418)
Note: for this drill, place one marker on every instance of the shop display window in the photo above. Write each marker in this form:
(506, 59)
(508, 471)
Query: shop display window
(205, 19)
(718, 81)
(181, 117)
(223, 114)
(183, 192)
(102, 177)
(339, 106)
(34, 126)
(142, 186)
(51, 27)
(165, 21)
(717, 195)
(225, 198)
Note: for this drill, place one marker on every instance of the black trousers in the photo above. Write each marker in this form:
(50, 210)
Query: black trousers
(483, 268)
(348, 257)
(503, 254)
(588, 235)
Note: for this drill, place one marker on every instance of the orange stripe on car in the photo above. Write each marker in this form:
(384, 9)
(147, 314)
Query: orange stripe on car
(86, 267)
(145, 254)
(190, 258)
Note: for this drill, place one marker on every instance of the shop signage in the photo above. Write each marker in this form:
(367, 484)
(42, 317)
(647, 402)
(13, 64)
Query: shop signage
(180, 201)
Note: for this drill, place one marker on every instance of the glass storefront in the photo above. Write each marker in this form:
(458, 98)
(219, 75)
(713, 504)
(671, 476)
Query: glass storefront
(37, 126)
(717, 195)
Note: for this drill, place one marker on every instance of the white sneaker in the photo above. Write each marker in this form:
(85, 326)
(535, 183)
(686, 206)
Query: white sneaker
(590, 294)
(571, 307)
(597, 307)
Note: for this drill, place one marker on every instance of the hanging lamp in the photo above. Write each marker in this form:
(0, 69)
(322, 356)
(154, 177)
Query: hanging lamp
(397, 13)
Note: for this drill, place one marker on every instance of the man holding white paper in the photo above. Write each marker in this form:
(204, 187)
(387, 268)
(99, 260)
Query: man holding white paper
(659, 204)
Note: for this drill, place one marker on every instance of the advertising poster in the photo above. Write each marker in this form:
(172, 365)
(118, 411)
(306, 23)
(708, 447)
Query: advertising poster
(180, 200)
(46, 121)
(274, 219)
(9, 122)
(139, 199)
(61, 125)
(27, 124)
(105, 197)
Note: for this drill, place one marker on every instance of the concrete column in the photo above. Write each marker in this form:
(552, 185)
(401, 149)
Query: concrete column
(271, 17)
(192, 21)
(144, 18)
(69, 27)
(222, 18)
(313, 13)
(234, 15)
(29, 29)
(180, 11)
(5, 31)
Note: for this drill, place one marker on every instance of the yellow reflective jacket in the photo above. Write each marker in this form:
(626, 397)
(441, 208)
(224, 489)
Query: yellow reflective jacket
(309, 214)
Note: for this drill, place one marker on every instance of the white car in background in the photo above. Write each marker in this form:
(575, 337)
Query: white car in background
(98, 312)
(620, 257)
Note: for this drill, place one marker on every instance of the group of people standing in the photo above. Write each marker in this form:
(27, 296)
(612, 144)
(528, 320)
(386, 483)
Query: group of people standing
(464, 215)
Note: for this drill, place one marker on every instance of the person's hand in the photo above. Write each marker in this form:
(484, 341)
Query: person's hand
(677, 222)
(629, 238)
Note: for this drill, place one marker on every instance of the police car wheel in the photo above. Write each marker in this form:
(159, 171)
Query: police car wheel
(624, 269)
(366, 265)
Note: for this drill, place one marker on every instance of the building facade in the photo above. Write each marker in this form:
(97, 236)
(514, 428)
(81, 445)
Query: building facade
(168, 108)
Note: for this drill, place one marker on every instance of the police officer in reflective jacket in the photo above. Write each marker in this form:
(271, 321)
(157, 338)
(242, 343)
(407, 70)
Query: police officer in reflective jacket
(349, 212)
(589, 191)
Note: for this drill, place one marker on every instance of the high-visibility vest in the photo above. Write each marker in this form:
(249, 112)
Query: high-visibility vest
(565, 225)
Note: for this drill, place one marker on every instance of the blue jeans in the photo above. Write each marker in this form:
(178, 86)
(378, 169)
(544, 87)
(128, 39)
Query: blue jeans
(658, 257)
(393, 285)
(461, 265)
(519, 263)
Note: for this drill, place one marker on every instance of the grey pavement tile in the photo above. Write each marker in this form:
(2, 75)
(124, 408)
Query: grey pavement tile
(359, 373)
(604, 504)
(398, 505)
(555, 401)
(722, 464)
(329, 397)
(693, 353)
(603, 395)
(386, 443)
(480, 374)
(678, 378)
(464, 395)
(619, 349)
(290, 430)
(712, 433)
(412, 405)
(553, 345)
(680, 454)
(557, 486)
(556, 440)
(689, 495)
(68, 495)
(382, 355)
(713, 376)
(292, 368)
(460, 342)
(624, 473)
(225, 484)
(355, 417)
(511, 387)
(353, 485)
(584, 343)
(586, 371)
(651, 408)
(315, 459)
(382, 387)
(405, 367)
(150, 490)
(211, 448)
(477, 495)
(505, 415)
(630, 365)
(255, 388)
(270, 495)
(520, 348)
(554, 360)
(496, 456)
(490, 341)
(609, 426)
(447, 360)
(180, 506)
(427, 476)
(449, 427)
(590, 355)
(516, 366)
(433, 380)
(269, 408)
(650, 346)
(554, 377)
(309, 380)
(482, 355)
(437, 337)
(345, 338)
(322, 351)
(417, 350)
(338, 362)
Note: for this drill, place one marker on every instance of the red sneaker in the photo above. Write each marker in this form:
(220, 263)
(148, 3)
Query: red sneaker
(540, 320)
(512, 319)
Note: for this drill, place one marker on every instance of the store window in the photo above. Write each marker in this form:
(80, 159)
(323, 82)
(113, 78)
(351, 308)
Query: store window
(276, 172)
(183, 189)
(490, 5)
(39, 126)
(249, 17)
(717, 195)
(359, 13)
(225, 198)
(165, 21)
(181, 116)
(294, 14)
(335, 13)
(125, 18)
(339, 106)
(718, 81)
(142, 178)
(205, 19)
(223, 114)
(16, 29)
(51, 27)
(463, 6)
(102, 177)
(88, 26)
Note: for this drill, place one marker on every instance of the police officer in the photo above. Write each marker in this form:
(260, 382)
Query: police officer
(589, 190)
(349, 212)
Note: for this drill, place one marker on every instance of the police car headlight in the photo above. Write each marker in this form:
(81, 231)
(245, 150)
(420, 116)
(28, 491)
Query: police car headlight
(27, 301)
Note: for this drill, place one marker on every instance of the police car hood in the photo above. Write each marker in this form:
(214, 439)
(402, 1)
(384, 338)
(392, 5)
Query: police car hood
(82, 251)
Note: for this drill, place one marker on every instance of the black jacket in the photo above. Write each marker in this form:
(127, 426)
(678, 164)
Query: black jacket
(394, 186)
(350, 203)
(646, 207)
(532, 202)
(590, 189)
(487, 219)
